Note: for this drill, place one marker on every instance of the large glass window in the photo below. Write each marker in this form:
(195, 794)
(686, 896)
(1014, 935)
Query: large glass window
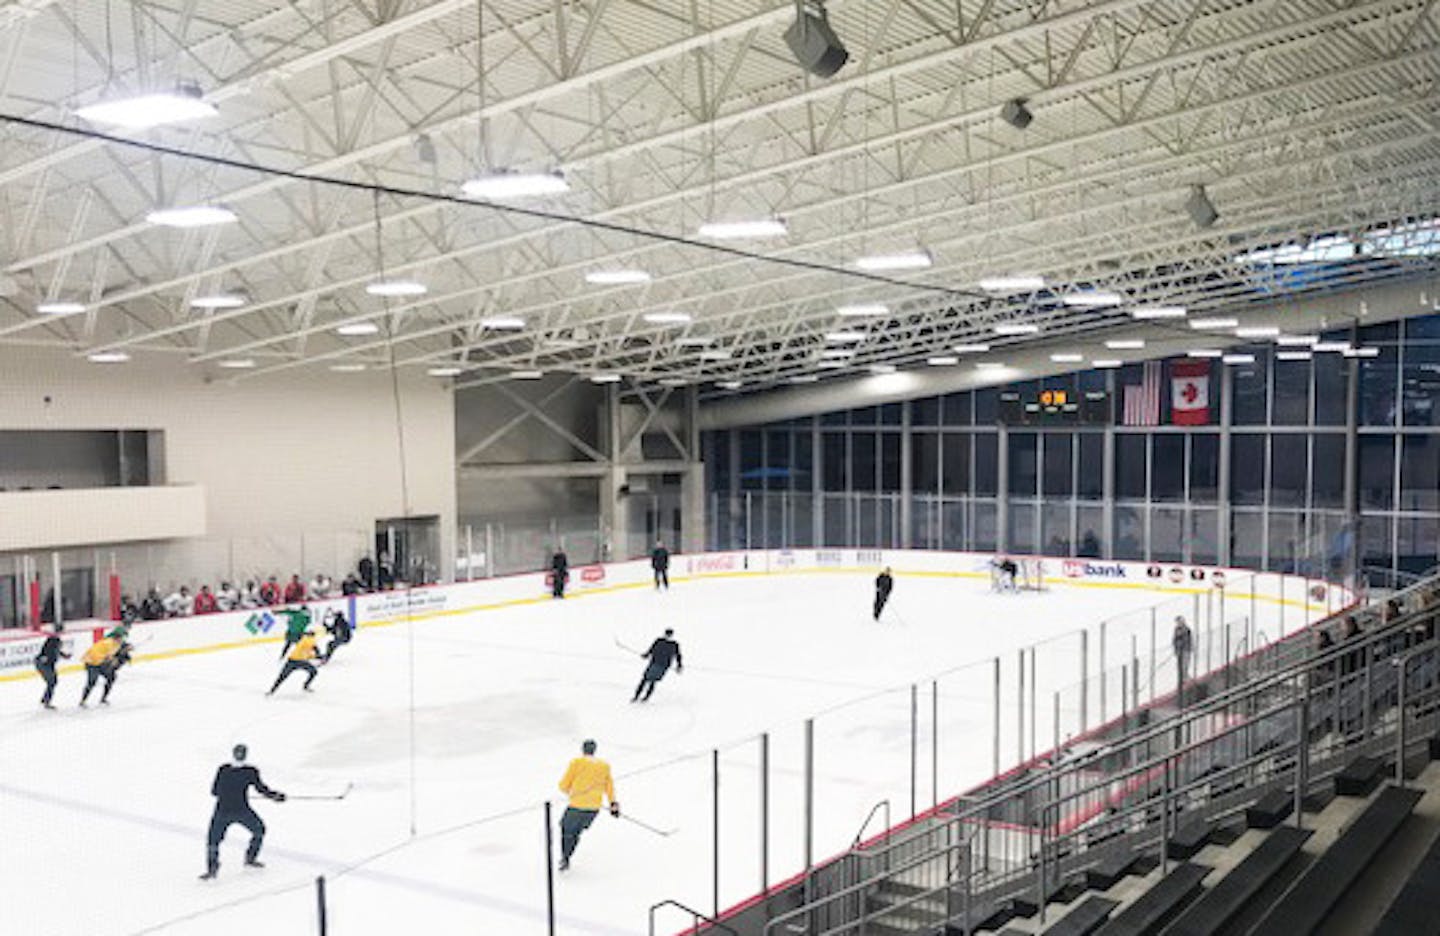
(925, 412)
(1167, 534)
(890, 462)
(1247, 468)
(925, 463)
(1327, 473)
(1204, 467)
(804, 460)
(864, 461)
(956, 409)
(1291, 405)
(752, 460)
(1059, 464)
(777, 460)
(1130, 473)
(835, 463)
(1167, 473)
(1420, 472)
(1090, 472)
(1420, 379)
(1023, 466)
(1379, 377)
(987, 464)
(987, 406)
(955, 448)
(1332, 379)
(1288, 470)
(1377, 471)
(1250, 386)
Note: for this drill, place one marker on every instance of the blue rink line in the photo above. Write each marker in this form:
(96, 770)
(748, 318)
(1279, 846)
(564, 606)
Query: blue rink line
(332, 867)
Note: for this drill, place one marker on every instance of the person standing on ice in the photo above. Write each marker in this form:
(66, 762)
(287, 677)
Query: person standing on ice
(660, 563)
(588, 783)
(340, 632)
(231, 789)
(297, 622)
(299, 659)
(47, 659)
(884, 585)
(100, 662)
(559, 573)
(661, 654)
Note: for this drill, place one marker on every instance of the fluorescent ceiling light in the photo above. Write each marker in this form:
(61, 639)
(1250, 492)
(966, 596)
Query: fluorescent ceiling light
(942, 360)
(1297, 341)
(1106, 363)
(616, 277)
(1293, 355)
(719, 354)
(837, 354)
(863, 310)
(354, 329)
(1125, 344)
(674, 382)
(347, 368)
(970, 348)
(445, 371)
(509, 184)
(526, 375)
(150, 110)
(743, 230)
(1011, 328)
(1363, 352)
(1257, 331)
(840, 337)
(882, 368)
(1239, 359)
(1158, 312)
(502, 323)
(1067, 358)
(1206, 353)
(392, 288)
(1092, 299)
(832, 365)
(729, 384)
(1338, 347)
(237, 364)
(605, 378)
(1012, 284)
(108, 357)
(192, 217)
(989, 365)
(218, 301)
(906, 260)
(1203, 323)
(59, 308)
(694, 341)
(804, 378)
(667, 318)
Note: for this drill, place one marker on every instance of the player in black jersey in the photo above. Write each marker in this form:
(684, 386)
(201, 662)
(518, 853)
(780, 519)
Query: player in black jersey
(661, 654)
(232, 804)
(46, 660)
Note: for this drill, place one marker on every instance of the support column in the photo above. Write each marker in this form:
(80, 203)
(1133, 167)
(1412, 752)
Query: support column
(612, 521)
(1352, 458)
(693, 521)
(817, 485)
(1107, 487)
(907, 457)
(1002, 489)
(1227, 403)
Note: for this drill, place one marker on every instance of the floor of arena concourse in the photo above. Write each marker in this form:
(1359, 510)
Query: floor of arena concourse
(104, 810)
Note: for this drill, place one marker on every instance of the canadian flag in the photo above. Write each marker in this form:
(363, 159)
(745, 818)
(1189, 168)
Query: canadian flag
(1190, 393)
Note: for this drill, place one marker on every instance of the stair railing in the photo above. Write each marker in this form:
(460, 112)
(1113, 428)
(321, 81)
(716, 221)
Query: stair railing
(695, 917)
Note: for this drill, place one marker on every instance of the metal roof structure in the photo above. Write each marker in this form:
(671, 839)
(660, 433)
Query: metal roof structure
(1313, 127)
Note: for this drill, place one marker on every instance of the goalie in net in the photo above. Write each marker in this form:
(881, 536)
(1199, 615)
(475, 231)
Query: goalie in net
(1016, 574)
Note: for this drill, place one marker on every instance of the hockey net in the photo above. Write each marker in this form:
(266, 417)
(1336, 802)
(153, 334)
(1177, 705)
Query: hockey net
(1029, 575)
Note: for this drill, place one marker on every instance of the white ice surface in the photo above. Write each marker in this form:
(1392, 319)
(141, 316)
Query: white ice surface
(103, 811)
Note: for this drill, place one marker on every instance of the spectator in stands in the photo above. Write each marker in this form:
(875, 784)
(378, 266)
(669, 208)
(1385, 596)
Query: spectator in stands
(1182, 641)
(294, 590)
(1324, 643)
(250, 596)
(351, 585)
(270, 592)
(179, 603)
(320, 587)
(152, 608)
(1351, 633)
(386, 572)
(227, 598)
(205, 601)
(367, 572)
(129, 611)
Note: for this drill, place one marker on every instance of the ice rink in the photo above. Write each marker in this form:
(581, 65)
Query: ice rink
(103, 811)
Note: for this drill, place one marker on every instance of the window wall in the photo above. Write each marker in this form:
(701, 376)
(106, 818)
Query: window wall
(1303, 465)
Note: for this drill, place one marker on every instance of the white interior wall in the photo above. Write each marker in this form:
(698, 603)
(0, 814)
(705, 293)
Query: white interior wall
(282, 458)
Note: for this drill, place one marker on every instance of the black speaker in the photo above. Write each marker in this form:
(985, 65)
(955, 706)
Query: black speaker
(1096, 410)
(1016, 114)
(813, 43)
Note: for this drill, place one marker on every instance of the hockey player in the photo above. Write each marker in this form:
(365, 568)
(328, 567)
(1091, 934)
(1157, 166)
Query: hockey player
(231, 789)
(559, 573)
(340, 631)
(299, 659)
(1005, 572)
(588, 783)
(46, 660)
(660, 563)
(661, 653)
(884, 584)
(99, 663)
(297, 622)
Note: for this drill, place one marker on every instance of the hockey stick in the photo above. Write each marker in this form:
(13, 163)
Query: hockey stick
(341, 796)
(627, 649)
(663, 833)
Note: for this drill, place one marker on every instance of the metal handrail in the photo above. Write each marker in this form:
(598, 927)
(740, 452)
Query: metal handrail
(860, 836)
(698, 916)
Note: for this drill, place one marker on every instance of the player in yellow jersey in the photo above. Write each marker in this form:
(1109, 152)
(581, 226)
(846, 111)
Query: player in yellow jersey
(588, 783)
(299, 659)
(99, 663)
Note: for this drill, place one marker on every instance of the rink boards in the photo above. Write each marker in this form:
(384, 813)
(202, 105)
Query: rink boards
(1311, 598)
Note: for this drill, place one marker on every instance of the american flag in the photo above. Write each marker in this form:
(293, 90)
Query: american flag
(1142, 400)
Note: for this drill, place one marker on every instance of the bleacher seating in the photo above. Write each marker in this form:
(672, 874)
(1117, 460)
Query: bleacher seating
(1159, 904)
(1413, 911)
(1223, 902)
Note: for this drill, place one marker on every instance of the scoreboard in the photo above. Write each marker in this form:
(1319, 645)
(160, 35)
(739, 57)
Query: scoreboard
(1055, 407)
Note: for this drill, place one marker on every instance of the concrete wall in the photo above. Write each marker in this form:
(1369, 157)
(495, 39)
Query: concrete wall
(278, 456)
